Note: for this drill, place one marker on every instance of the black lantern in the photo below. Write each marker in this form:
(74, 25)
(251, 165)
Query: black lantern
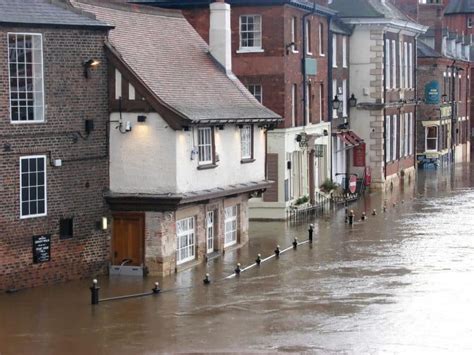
(336, 103)
(444, 98)
(352, 101)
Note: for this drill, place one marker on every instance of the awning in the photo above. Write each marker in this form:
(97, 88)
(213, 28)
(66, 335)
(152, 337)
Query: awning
(349, 138)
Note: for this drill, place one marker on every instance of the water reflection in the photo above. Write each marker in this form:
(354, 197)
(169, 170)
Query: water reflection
(400, 282)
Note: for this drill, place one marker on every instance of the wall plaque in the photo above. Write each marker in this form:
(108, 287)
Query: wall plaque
(41, 248)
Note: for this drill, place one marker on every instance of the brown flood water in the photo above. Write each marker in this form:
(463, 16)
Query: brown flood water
(401, 282)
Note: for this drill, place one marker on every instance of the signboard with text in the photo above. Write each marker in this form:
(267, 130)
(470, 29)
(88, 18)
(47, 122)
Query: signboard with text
(359, 155)
(432, 92)
(41, 248)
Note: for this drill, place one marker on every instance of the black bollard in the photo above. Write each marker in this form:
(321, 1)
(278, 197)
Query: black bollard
(156, 289)
(206, 280)
(237, 269)
(384, 209)
(374, 212)
(94, 292)
(277, 251)
(351, 217)
(295, 243)
(259, 259)
(363, 217)
(310, 233)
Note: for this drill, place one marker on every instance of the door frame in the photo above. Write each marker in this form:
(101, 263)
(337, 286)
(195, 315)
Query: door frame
(141, 217)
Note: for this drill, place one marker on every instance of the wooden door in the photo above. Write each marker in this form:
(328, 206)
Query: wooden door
(128, 239)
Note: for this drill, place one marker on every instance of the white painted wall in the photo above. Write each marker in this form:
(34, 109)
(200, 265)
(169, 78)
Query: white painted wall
(143, 160)
(229, 170)
(154, 158)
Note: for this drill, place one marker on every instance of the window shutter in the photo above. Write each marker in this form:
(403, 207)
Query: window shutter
(271, 195)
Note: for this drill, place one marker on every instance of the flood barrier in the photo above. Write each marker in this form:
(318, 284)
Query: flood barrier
(349, 219)
(95, 289)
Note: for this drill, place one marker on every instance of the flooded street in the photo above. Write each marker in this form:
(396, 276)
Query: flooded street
(400, 282)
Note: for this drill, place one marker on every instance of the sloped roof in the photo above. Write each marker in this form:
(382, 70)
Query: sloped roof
(459, 7)
(173, 61)
(425, 51)
(179, 4)
(45, 12)
(367, 8)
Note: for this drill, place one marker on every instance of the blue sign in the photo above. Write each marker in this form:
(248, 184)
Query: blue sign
(432, 92)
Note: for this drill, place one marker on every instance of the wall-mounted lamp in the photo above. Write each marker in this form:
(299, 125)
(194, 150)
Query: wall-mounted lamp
(141, 118)
(240, 126)
(91, 63)
(186, 128)
(336, 103)
(352, 101)
(104, 223)
(444, 98)
(221, 127)
(289, 46)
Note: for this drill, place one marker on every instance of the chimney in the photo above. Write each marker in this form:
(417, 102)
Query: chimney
(220, 34)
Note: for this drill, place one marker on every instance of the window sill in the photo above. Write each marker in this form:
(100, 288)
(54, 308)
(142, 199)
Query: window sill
(247, 161)
(207, 166)
(250, 50)
(322, 54)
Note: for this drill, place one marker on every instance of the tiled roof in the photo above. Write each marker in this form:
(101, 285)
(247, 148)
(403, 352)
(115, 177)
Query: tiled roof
(179, 4)
(173, 61)
(44, 12)
(425, 51)
(459, 7)
(366, 9)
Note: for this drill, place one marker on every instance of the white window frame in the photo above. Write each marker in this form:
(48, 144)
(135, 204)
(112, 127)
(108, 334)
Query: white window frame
(388, 65)
(435, 139)
(394, 64)
(406, 128)
(294, 29)
(402, 136)
(294, 95)
(257, 91)
(254, 48)
(307, 34)
(400, 67)
(41, 93)
(45, 185)
(394, 132)
(410, 65)
(205, 156)
(210, 231)
(321, 93)
(230, 226)
(334, 51)
(411, 133)
(334, 94)
(189, 233)
(321, 39)
(388, 126)
(405, 64)
(344, 51)
(246, 142)
(344, 98)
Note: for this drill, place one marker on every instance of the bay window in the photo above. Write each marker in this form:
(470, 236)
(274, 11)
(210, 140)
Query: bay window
(431, 138)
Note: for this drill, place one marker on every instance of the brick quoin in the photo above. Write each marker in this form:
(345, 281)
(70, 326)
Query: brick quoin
(73, 190)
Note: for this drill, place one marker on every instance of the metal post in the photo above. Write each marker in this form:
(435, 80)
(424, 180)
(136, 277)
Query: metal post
(295, 243)
(351, 217)
(277, 251)
(94, 292)
(259, 259)
(156, 289)
(310, 233)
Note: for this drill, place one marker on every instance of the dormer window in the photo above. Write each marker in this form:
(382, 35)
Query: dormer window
(25, 59)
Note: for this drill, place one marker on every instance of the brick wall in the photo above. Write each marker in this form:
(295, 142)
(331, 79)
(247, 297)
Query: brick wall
(276, 69)
(75, 189)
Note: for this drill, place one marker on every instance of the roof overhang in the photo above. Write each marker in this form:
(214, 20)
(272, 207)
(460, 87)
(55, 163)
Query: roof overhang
(393, 23)
(171, 202)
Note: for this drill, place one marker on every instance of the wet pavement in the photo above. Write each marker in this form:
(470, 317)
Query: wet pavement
(400, 282)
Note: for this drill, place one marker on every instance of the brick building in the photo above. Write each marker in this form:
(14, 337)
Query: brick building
(270, 41)
(348, 149)
(443, 79)
(53, 153)
(187, 140)
(382, 78)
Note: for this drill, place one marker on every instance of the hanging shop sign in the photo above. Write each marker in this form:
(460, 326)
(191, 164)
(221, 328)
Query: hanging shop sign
(432, 92)
(359, 155)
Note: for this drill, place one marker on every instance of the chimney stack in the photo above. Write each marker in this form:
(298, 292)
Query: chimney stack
(220, 34)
